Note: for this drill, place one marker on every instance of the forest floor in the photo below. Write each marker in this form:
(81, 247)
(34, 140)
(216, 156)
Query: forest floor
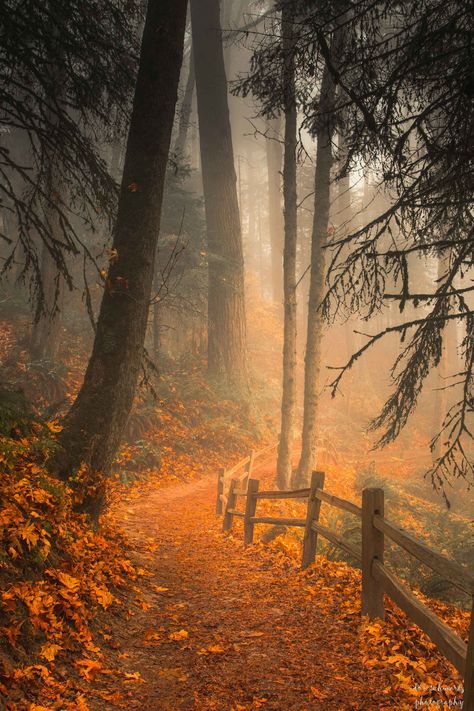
(161, 610)
(229, 628)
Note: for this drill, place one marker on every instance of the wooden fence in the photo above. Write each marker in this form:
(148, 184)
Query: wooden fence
(377, 579)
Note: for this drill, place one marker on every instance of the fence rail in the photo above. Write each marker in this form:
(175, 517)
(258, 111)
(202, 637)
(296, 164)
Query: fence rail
(377, 579)
(226, 476)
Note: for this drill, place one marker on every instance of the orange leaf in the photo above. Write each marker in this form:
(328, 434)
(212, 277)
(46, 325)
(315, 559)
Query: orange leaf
(88, 668)
(136, 676)
(152, 636)
(177, 636)
(69, 582)
(104, 597)
(49, 651)
(54, 426)
(213, 649)
(29, 534)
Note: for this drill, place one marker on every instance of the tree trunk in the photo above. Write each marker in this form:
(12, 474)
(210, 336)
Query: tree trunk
(94, 426)
(288, 404)
(45, 336)
(185, 115)
(274, 161)
(46, 331)
(157, 325)
(448, 367)
(344, 207)
(322, 184)
(227, 358)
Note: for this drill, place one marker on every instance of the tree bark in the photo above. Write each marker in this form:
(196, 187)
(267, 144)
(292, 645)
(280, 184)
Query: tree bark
(448, 367)
(322, 184)
(227, 357)
(274, 161)
(288, 404)
(46, 331)
(344, 206)
(94, 426)
(45, 335)
(185, 115)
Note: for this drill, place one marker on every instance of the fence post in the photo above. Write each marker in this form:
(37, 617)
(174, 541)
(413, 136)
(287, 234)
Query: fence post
(310, 540)
(372, 549)
(468, 703)
(250, 507)
(231, 501)
(220, 489)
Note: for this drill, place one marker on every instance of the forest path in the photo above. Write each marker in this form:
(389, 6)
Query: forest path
(256, 634)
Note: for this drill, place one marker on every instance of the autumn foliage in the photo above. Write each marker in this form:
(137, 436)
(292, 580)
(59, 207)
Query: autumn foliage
(57, 577)
(69, 593)
(63, 583)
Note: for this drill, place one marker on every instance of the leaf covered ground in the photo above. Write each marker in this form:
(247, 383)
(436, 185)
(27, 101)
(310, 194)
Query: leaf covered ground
(160, 610)
(172, 613)
(230, 628)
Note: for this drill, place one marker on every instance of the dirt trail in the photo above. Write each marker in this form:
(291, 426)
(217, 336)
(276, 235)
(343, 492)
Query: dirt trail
(258, 634)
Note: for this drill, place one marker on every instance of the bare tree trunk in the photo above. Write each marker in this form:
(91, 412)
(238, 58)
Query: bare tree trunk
(46, 330)
(185, 114)
(94, 426)
(448, 367)
(288, 403)
(322, 184)
(227, 357)
(343, 219)
(45, 335)
(274, 163)
(344, 206)
(157, 322)
(44, 342)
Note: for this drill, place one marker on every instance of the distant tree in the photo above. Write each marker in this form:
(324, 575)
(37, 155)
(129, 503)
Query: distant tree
(319, 239)
(288, 404)
(409, 117)
(185, 109)
(66, 119)
(93, 428)
(227, 340)
(263, 81)
(45, 336)
(274, 152)
(405, 109)
(180, 287)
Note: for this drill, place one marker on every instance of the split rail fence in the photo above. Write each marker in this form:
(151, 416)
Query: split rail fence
(377, 579)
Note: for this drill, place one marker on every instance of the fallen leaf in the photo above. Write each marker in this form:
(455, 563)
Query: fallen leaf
(88, 668)
(176, 636)
(69, 582)
(152, 636)
(160, 589)
(54, 426)
(49, 651)
(104, 597)
(213, 649)
(134, 677)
